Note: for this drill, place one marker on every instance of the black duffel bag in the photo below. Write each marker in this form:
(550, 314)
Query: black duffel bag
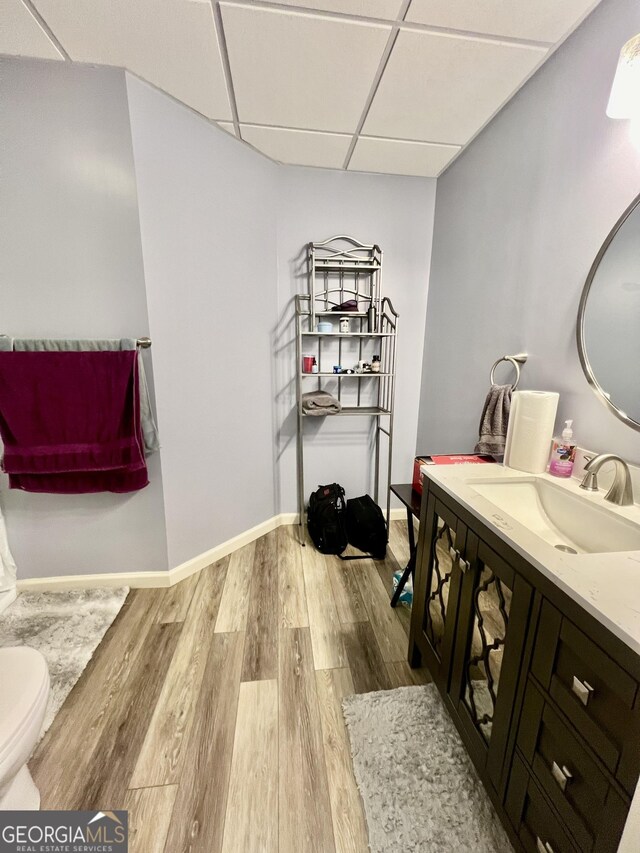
(366, 528)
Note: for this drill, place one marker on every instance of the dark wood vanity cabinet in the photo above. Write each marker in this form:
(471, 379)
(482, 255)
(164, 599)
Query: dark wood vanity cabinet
(545, 699)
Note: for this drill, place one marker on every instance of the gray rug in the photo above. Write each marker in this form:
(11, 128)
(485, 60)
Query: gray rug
(420, 791)
(66, 627)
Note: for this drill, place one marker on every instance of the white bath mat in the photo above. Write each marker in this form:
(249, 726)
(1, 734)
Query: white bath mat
(66, 627)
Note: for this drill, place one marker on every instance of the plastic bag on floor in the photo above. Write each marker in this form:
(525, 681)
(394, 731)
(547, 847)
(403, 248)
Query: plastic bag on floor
(406, 596)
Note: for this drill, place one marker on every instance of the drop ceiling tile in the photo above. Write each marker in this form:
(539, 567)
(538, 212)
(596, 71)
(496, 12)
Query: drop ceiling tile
(172, 44)
(539, 20)
(22, 35)
(441, 88)
(228, 126)
(301, 71)
(385, 9)
(299, 147)
(396, 157)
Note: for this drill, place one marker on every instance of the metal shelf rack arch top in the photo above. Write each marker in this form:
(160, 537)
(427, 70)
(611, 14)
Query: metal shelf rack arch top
(344, 268)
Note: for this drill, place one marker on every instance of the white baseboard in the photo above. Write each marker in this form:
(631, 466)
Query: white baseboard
(179, 573)
(62, 582)
(398, 513)
(143, 580)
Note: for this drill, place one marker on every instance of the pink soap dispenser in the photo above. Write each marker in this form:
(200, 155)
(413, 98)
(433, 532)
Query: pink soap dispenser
(563, 453)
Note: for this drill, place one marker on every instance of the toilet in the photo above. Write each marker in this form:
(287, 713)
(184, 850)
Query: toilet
(24, 691)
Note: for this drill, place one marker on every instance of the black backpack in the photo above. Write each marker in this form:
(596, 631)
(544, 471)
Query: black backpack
(326, 519)
(366, 528)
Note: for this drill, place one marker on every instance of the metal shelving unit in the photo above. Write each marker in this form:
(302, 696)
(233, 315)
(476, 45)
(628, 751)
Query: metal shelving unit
(342, 269)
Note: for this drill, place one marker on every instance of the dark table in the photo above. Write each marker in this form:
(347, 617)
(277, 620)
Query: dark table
(412, 501)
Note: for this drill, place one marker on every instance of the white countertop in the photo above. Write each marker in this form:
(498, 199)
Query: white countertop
(605, 585)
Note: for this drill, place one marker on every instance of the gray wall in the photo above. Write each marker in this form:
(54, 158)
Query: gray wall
(71, 266)
(108, 182)
(207, 214)
(520, 217)
(128, 214)
(397, 213)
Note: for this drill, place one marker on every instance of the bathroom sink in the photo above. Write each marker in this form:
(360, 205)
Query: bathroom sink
(569, 522)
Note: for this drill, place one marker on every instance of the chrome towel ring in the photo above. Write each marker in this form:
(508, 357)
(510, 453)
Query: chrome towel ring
(516, 361)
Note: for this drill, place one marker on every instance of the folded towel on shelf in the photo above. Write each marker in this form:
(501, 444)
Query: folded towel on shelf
(349, 305)
(494, 421)
(149, 427)
(70, 421)
(320, 403)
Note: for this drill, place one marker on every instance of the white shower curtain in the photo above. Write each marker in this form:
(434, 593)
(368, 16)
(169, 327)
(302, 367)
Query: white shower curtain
(8, 571)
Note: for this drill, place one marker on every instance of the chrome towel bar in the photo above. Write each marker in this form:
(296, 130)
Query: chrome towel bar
(143, 343)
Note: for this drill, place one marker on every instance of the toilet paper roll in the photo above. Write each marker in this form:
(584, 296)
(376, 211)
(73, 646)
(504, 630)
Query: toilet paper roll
(530, 431)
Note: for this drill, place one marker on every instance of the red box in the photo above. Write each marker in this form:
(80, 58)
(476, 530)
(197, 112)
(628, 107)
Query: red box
(418, 476)
(451, 459)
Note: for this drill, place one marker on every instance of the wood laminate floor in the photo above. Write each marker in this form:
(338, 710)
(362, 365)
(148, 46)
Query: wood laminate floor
(212, 710)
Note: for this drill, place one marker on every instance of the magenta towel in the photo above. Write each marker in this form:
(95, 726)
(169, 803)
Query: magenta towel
(70, 421)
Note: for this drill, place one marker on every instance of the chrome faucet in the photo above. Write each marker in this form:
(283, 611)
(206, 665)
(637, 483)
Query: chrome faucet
(620, 492)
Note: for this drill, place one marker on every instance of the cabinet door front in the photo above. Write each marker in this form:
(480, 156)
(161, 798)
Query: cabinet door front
(442, 585)
(493, 616)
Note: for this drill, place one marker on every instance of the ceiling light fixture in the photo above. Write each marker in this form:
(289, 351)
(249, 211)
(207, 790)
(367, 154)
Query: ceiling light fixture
(624, 101)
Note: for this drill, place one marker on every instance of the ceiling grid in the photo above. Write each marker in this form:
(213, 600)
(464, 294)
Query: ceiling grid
(390, 86)
(402, 11)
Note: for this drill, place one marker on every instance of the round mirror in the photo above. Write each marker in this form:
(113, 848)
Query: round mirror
(609, 319)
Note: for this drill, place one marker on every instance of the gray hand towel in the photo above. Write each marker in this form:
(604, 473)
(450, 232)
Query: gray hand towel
(147, 422)
(494, 421)
(320, 403)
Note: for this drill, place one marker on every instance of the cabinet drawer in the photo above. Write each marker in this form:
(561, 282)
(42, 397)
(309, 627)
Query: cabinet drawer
(596, 694)
(532, 817)
(588, 805)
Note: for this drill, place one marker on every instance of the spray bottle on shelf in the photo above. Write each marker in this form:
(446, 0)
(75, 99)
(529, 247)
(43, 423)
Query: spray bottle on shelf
(563, 453)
